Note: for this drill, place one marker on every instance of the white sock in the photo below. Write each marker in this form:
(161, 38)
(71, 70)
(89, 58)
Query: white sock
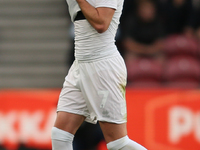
(61, 140)
(124, 144)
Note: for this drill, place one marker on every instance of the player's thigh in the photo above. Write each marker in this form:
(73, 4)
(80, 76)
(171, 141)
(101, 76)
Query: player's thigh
(68, 121)
(113, 131)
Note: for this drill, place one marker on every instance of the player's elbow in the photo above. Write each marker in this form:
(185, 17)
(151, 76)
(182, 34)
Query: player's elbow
(101, 28)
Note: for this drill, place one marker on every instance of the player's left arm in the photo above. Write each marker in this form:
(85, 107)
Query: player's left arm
(99, 18)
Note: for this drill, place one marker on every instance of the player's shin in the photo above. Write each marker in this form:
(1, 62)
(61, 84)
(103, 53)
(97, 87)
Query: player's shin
(61, 140)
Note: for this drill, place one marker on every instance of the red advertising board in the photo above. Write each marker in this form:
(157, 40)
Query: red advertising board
(164, 119)
(26, 117)
(159, 119)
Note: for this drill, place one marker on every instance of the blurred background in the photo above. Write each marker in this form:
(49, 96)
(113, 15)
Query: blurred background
(160, 42)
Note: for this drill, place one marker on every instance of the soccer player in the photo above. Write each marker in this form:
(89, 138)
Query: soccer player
(94, 89)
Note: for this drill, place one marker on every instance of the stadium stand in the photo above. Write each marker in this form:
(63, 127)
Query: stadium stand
(144, 72)
(34, 43)
(182, 68)
(177, 44)
(182, 72)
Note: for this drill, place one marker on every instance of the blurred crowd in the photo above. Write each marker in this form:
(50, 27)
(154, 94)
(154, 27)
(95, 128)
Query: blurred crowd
(159, 40)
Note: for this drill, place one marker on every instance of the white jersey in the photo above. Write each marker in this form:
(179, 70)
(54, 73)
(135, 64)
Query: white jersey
(89, 44)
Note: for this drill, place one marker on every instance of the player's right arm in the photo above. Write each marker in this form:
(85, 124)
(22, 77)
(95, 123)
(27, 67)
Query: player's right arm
(99, 18)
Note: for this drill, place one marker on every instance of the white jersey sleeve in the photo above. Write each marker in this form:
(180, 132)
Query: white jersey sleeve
(73, 8)
(106, 3)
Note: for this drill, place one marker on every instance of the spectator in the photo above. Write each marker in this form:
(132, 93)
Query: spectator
(127, 12)
(178, 16)
(144, 32)
(196, 4)
(128, 9)
(198, 33)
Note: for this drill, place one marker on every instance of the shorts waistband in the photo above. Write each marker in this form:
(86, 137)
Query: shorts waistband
(99, 59)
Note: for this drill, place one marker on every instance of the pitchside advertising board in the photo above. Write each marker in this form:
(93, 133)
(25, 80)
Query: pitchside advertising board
(162, 119)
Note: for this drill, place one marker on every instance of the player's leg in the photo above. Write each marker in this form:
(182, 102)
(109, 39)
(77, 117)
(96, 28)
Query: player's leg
(116, 137)
(113, 131)
(65, 127)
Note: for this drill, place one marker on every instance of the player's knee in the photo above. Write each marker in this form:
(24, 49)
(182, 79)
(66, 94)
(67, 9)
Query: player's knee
(124, 144)
(58, 134)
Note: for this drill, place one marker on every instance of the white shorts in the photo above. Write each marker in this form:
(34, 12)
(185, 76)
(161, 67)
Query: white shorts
(96, 90)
